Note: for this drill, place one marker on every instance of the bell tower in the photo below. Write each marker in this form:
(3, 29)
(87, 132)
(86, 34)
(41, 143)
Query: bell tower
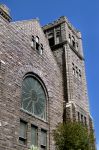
(66, 44)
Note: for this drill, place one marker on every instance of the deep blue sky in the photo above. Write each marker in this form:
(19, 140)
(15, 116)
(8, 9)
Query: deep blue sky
(84, 15)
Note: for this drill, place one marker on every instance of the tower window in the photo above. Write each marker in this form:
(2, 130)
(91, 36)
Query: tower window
(73, 41)
(37, 39)
(73, 68)
(37, 43)
(22, 133)
(58, 36)
(76, 71)
(73, 71)
(51, 39)
(33, 42)
(79, 74)
(69, 38)
(41, 49)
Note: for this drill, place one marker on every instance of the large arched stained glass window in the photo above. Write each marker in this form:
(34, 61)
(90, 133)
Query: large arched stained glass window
(34, 96)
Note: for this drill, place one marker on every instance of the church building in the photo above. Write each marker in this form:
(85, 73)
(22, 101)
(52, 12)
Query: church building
(42, 81)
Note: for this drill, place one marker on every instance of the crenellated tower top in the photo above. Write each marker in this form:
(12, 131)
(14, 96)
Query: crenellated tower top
(5, 12)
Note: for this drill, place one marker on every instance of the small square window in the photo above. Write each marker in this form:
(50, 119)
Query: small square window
(22, 133)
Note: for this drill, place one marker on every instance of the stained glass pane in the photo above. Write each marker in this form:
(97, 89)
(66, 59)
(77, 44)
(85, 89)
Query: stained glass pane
(33, 96)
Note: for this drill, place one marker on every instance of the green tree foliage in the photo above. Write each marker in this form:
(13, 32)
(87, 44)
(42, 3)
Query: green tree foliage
(72, 136)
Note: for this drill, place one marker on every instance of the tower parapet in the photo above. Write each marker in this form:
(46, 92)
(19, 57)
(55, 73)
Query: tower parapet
(5, 12)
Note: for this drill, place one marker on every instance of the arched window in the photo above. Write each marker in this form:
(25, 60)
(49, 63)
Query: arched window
(34, 96)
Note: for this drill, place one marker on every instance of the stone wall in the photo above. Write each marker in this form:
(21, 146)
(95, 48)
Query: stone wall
(19, 58)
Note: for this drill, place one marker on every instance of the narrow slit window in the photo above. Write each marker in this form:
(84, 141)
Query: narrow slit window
(37, 39)
(76, 71)
(41, 49)
(33, 42)
(79, 74)
(73, 68)
(73, 41)
(37, 43)
(73, 71)
(58, 37)
(69, 38)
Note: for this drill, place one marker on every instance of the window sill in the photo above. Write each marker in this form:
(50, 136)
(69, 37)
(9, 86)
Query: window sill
(36, 117)
(21, 145)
